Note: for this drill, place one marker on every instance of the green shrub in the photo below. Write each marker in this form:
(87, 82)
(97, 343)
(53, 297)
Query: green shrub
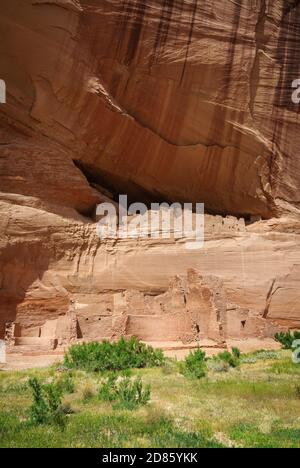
(47, 404)
(132, 393)
(125, 392)
(287, 339)
(107, 390)
(66, 383)
(106, 356)
(195, 365)
(231, 359)
(236, 352)
(39, 410)
(54, 400)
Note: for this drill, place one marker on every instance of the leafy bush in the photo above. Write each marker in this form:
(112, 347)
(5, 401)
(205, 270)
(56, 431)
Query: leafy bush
(47, 404)
(54, 400)
(231, 359)
(125, 392)
(287, 339)
(66, 383)
(236, 352)
(195, 365)
(107, 390)
(106, 356)
(39, 409)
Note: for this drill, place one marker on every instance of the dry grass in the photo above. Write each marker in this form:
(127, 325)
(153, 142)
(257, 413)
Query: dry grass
(257, 405)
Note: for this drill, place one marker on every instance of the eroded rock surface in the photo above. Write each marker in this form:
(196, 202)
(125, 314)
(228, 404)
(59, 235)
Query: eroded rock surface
(193, 309)
(175, 100)
(188, 100)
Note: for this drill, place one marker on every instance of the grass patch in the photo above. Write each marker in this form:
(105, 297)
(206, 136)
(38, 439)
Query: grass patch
(101, 431)
(254, 405)
(125, 393)
(262, 355)
(285, 367)
(277, 437)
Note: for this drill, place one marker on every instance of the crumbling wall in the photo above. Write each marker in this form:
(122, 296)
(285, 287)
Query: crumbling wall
(173, 327)
(95, 327)
(194, 308)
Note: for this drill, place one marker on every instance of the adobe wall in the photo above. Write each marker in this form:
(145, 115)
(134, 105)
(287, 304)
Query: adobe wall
(194, 308)
(159, 328)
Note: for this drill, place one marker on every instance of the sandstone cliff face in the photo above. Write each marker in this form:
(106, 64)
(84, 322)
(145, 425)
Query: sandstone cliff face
(183, 100)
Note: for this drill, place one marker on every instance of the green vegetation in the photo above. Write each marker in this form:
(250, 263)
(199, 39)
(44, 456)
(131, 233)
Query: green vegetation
(194, 365)
(106, 356)
(261, 355)
(66, 383)
(125, 392)
(87, 391)
(47, 404)
(254, 405)
(236, 353)
(230, 358)
(287, 339)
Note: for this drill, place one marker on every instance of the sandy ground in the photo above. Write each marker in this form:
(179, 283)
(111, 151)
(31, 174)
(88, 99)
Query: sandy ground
(34, 360)
(17, 362)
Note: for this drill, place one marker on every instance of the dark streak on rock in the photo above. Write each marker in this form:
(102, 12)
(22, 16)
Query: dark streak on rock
(136, 18)
(219, 115)
(121, 27)
(233, 42)
(180, 8)
(190, 37)
(260, 45)
(131, 21)
(288, 57)
(269, 299)
(292, 4)
(163, 29)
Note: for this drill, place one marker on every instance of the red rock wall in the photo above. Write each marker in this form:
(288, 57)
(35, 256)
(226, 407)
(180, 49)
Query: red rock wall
(187, 99)
(173, 100)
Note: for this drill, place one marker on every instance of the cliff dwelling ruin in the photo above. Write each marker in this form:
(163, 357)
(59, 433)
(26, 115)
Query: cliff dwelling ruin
(163, 101)
(194, 309)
